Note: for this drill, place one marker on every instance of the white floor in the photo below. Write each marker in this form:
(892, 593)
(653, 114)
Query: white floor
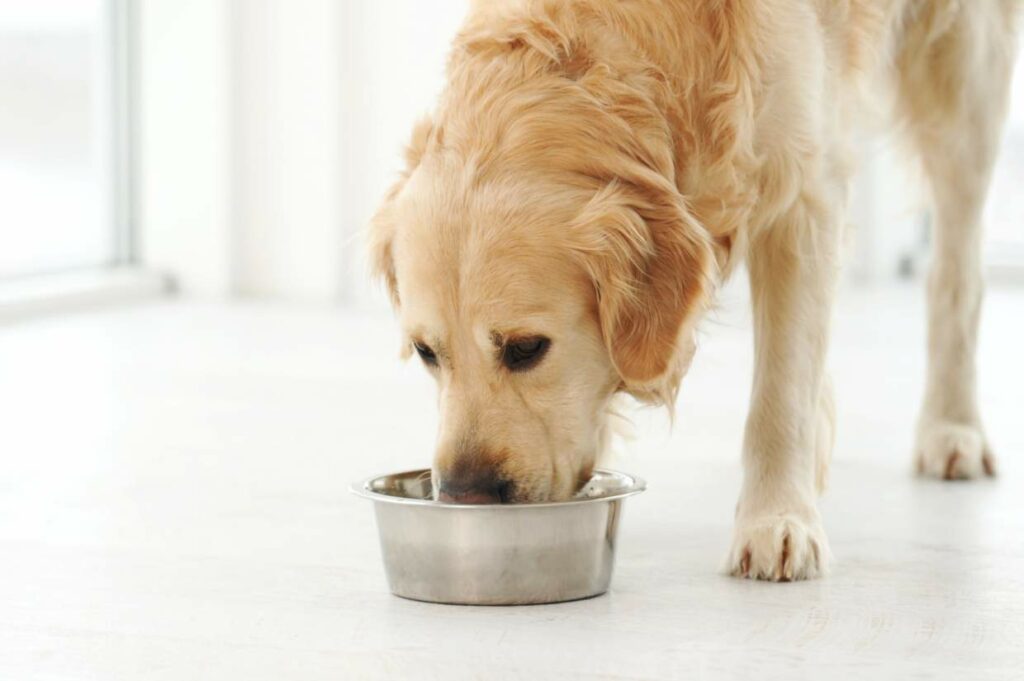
(173, 506)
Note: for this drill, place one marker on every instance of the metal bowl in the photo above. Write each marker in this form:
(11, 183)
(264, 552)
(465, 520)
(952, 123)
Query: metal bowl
(497, 554)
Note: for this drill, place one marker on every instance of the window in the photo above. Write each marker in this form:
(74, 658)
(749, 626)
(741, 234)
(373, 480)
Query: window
(62, 131)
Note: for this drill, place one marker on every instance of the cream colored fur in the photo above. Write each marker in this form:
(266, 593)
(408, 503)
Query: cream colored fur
(595, 167)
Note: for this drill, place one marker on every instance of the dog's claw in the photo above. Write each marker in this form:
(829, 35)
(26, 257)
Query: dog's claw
(782, 576)
(953, 451)
(779, 548)
(950, 472)
(744, 570)
(988, 463)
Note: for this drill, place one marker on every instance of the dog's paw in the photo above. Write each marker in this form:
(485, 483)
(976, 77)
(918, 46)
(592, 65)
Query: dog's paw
(953, 451)
(780, 548)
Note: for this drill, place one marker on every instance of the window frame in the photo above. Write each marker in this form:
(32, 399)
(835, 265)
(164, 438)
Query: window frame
(122, 278)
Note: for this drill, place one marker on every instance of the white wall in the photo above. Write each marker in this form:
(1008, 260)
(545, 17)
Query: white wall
(183, 202)
(286, 102)
(392, 70)
(238, 150)
(270, 129)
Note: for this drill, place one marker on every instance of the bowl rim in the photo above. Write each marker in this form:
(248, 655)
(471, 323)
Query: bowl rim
(362, 489)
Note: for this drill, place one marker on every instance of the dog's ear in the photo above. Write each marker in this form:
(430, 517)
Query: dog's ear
(652, 265)
(383, 225)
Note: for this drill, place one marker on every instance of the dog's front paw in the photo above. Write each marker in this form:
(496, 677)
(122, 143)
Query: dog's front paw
(779, 547)
(953, 451)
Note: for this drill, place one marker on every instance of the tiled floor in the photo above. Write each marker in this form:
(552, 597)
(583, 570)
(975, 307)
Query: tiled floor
(173, 506)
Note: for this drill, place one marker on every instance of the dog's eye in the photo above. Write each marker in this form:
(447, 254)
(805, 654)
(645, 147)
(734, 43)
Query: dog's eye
(524, 354)
(428, 356)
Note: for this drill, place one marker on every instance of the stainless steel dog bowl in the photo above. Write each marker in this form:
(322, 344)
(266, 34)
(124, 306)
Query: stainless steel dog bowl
(497, 554)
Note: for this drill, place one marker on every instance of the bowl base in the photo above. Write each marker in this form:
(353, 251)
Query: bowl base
(499, 602)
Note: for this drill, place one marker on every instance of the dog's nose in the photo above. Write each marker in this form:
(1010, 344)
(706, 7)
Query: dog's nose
(480, 487)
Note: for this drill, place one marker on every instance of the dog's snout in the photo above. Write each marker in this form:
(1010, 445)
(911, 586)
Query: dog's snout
(473, 485)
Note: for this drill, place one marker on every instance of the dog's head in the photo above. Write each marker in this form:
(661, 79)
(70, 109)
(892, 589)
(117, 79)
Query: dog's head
(540, 259)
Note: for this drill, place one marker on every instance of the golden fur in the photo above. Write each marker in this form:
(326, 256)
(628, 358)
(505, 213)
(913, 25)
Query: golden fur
(595, 167)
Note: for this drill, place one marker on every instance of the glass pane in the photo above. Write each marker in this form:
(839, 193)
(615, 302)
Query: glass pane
(55, 126)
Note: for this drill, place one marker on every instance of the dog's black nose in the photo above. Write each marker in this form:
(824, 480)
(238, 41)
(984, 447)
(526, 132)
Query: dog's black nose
(470, 485)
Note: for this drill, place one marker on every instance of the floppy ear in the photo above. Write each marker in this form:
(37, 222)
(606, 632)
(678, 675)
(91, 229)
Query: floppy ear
(383, 225)
(651, 264)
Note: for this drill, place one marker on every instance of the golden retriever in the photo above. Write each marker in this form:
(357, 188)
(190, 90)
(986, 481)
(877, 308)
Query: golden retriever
(595, 168)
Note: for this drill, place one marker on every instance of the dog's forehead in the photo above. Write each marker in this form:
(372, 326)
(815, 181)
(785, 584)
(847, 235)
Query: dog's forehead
(492, 283)
(491, 255)
(480, 246)
(486, 289)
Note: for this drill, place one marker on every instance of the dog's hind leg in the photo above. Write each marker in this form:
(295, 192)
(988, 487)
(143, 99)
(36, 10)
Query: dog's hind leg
(954, 68)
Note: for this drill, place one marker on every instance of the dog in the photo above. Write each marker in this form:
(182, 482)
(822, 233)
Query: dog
(594, 169)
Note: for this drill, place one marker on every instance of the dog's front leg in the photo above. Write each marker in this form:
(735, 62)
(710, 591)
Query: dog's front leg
(779, 534)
